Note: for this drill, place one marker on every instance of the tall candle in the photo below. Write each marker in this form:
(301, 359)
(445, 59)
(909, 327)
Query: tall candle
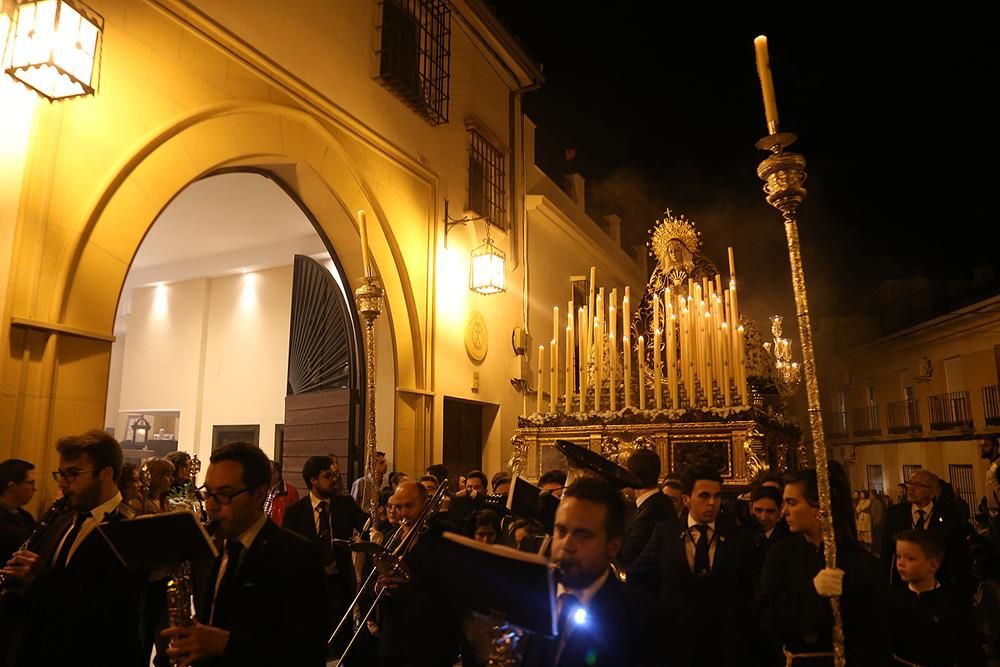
(541, 376)
(741, 366)
(657, 372)
(555, 325)
(363, 230)
(672, 362)
(554, 376)
(583, 360)
(590, 304)
(613, 349)
(600, 338)
(727, 395)
(642, 372)
(766, 84)
(626, 347)
(569, 361)
(598, 374)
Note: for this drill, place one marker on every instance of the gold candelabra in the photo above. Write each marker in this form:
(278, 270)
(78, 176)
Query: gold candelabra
(369, 299)
(784, 176)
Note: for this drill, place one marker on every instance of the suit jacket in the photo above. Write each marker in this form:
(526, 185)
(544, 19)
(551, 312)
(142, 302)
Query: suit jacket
(346, 516)
(621, 630)
(658, 507)
(87, 613)
(273, 607)
(15, 527)
(699, 608)
(956, 568)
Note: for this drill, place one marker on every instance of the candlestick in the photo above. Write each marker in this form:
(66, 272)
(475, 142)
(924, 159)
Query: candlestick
(583, 360)
(657, 372)
(766, 84)
(541, 375)
(613, 350)
(570, 357)
(672, 361)
(598, 373)
(555, 324)
(642, 372)
(590, 305)
(727, 395)
(363, 230)
(626, 347)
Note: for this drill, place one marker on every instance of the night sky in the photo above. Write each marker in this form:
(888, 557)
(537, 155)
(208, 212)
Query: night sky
(893, 116)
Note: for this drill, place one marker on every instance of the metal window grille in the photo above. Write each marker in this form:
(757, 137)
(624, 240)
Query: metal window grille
(950, 411)
(875, 481)
(908, 471)
(835, 424)
(414, 53)
(903, 417)
(991, 404)
(865, 421)
(963, 481)
(486, 179)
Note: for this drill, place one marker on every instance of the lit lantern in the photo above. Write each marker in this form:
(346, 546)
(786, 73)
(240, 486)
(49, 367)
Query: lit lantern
(488, 268)
(54, 48)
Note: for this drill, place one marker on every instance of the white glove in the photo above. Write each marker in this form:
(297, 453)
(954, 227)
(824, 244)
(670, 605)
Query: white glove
(829, 582)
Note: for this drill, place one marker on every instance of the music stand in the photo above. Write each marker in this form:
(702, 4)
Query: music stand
(586, 463)
(158, 540)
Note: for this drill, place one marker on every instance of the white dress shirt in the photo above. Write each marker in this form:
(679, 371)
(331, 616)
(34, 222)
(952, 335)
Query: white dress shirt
(316, 500)
(96, 516)
(691, 537)
(927, 514)
(245, 538)
(584, 595)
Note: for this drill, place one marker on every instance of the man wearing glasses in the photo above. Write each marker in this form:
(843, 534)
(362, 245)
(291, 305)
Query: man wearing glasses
(78, 590)
(255, 606)
(925, 510)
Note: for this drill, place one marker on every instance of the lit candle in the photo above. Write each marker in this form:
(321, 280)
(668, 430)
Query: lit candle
(726, 364)
(642, 372)
(657, 372)
(613, 351)
(570, 354)
(626, 347)
(555, 325)
(600, 339)
(598, 375)
(741, 366)
(582, 328)
(766, 84)
(554, 376)
(590, 305)
(363, 230)
(672, 362)
(541, 376)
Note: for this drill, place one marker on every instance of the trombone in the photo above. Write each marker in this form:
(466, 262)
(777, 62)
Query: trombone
(388, 561)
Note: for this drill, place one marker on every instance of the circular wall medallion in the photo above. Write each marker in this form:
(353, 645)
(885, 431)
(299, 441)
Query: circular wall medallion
(476, 339)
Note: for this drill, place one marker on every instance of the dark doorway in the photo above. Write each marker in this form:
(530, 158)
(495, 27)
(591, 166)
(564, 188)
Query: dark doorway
(463, 437)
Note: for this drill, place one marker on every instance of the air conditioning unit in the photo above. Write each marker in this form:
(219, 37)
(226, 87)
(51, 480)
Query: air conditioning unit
(847, 453)
(925, 369)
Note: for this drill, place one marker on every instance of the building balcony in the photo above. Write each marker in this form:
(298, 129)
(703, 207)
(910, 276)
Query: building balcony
(991, 404)
(903, 417)
(835, 424)
(864, 421)
(950, 411)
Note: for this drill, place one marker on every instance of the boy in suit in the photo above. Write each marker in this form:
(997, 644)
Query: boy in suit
(931, 624)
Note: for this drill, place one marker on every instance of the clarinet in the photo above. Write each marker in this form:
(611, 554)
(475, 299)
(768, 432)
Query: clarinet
(31, 543)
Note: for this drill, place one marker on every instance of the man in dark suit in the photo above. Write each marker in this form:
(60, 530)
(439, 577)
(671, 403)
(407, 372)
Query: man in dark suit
(321, 517)
(601, 622)
(78, 591)
(254, 609)
(700, 572)
(17, 486)
(651, 505)
(923, 511)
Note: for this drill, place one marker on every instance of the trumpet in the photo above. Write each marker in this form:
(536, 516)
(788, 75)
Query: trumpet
(389, 561)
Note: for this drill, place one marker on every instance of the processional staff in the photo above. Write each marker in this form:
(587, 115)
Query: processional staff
(784, 174)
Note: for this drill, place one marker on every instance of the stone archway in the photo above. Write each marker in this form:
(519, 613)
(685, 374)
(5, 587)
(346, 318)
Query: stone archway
(68, 372)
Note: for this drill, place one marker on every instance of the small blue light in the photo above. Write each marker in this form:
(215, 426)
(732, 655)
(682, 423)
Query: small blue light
(580, 616)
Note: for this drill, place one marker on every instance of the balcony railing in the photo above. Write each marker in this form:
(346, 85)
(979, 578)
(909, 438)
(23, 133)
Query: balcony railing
(950, 411)
(991, 404)
(835, 424)
(864, 421)
(903, 417)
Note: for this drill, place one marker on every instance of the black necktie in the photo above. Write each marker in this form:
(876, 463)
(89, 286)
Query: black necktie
(220, 615)
(702, 564)
(920, 520)
(570, 603)
(68, 542)
(325, 533)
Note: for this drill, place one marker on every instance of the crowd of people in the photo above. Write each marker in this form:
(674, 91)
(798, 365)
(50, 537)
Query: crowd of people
(672, 572)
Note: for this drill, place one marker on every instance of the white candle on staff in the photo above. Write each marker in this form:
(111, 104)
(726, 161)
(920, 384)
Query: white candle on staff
(657, 373)
(554, 376)
(598, 375)
(741, 366)
(671, 322)
(590, 305)
(642, 372)
(599, 339)
(709, 360)
(613, 350)
(570, 358)
(541, 376)
(766, 83)
(626, 347)
(363, 230)
(555, 325)
(726, 364)
(583, 359)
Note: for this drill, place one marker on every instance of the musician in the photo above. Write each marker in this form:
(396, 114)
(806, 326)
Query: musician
(251, 612)
(602, 622)
(700, 571)
(78, 589)
(417, 625)
(362, 487)
(182, 471)
(651, 505)
(283, 494)
(17, 488)
(553, 481)
(322, 517)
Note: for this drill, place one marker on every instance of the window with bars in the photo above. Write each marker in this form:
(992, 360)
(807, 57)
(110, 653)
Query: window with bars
(486, 177)
(414, 53)
(875, 482)
(909, 469)
(963, 481)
